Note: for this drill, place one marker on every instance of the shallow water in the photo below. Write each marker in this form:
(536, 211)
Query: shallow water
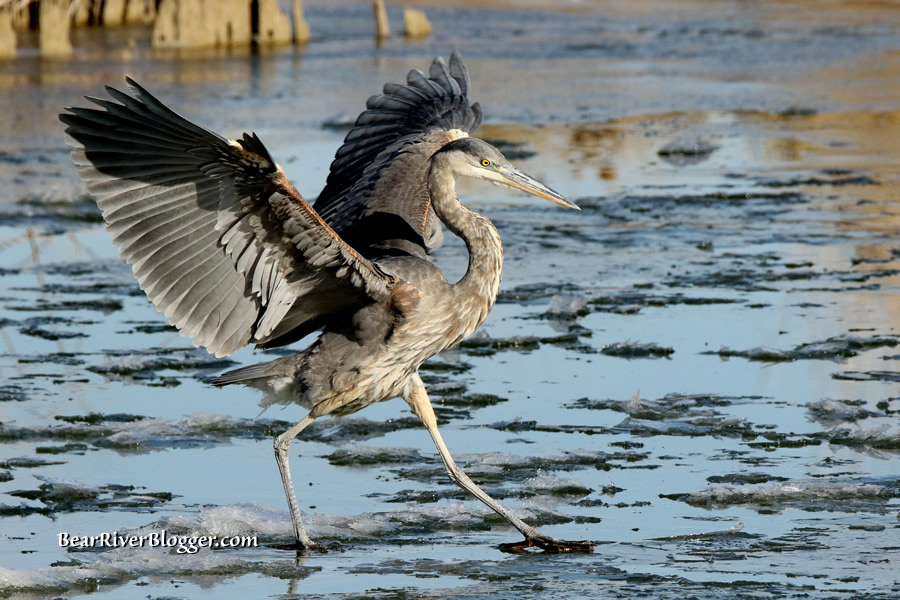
(699, 370)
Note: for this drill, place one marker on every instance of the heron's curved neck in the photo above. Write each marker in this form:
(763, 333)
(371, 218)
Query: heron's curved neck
(482, 279)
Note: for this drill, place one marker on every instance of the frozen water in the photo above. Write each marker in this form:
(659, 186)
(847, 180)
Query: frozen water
(783, 241)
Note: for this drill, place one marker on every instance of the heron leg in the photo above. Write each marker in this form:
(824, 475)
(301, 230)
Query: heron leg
(282, 455)
(417, 398)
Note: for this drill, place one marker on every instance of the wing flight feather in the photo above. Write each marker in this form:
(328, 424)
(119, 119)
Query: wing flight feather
(376, 197)
(218, 238)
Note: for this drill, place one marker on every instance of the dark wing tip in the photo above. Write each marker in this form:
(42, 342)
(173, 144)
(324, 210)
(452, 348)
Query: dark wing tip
(252, 143)
(459, 71)
(403, 114)
(136, 87)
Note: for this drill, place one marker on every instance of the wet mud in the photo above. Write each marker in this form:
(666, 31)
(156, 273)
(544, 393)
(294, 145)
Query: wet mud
(697, 371)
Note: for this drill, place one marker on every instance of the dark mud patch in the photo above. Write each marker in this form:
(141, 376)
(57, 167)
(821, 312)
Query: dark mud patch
(13, 393)
(670, 406)
(28, 463)
(52, 327)
(631, 302)
(556, 488)
(535, 292)
(103, 305)
(885, 405)
(767, 272)
(837, 348)
(359, 456)
(446, 363)
(677, 415)
(473, 400)
(99, 418)
(714, 425)
(481, 344)
(739, 278)
(146, 366)
(887, 376)
(519, 425)
(745, 478)
(631, 349)
(808, 495)
(58, 497)
(653, 206)
(130, 434)
(832, 178)
(110, 288)
(53, 214)
(507, 476)
(734, 533)
(70, 448)
(682, 152)
(880, 437)
(46, 334)
(449, 403)
(149, 327)
(773, 441)
(735, 544)
(69, 359)
(835, 412)
(350, 429)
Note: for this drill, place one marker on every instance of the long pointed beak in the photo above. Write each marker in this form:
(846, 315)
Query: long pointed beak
(515, 178)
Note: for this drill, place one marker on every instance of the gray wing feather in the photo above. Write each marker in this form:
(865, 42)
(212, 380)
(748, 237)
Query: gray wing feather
(217, 237)
(404, 125)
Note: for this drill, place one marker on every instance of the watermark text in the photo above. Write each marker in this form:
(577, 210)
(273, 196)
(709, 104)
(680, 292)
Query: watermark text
(182, 544)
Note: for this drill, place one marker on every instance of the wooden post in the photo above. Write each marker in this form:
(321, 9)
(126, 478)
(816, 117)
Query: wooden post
(382, 27)
(7, 33)
(274, 25)
(139, 11)
(416, 23)
(113, 12)
(53, 28)
(301, 27)
(202, 24)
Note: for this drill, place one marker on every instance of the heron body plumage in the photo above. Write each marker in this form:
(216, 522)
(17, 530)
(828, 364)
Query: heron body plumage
(228, 250)
(369, 356)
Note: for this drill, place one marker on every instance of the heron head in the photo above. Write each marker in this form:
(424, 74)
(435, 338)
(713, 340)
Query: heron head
(476, 158)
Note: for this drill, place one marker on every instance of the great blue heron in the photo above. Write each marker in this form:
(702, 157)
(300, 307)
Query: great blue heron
(224, 245)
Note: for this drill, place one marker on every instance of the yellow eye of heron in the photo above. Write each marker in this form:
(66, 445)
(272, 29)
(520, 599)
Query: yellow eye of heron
(485, 162)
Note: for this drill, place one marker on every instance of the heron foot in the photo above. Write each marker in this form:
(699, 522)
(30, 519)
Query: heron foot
(548, 544)
(303, 548)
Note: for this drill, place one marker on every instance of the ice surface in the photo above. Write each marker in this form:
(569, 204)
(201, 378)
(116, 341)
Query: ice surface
(805, 494)
(566, 304)
(834, 412)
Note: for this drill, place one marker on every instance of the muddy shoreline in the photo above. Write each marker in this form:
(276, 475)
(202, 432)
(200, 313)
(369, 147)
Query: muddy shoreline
(699, 370)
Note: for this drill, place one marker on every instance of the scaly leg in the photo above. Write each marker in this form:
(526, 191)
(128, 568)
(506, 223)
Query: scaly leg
(282, 455)
(417, 398)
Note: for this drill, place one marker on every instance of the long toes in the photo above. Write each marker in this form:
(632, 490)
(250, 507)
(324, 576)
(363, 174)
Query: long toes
(515, 548)
(565, 546)
(302, 548)
(548, 544)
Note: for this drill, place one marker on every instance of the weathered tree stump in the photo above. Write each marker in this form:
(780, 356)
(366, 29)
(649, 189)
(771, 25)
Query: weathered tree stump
(301, 27)
(416, 23)
(7, 33)
(53, 28)
(382, 26)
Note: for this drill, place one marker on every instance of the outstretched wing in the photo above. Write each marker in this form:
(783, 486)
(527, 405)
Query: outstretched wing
(218, 238)
(376, 197)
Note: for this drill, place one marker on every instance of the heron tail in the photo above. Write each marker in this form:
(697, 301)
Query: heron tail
(246, 375)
